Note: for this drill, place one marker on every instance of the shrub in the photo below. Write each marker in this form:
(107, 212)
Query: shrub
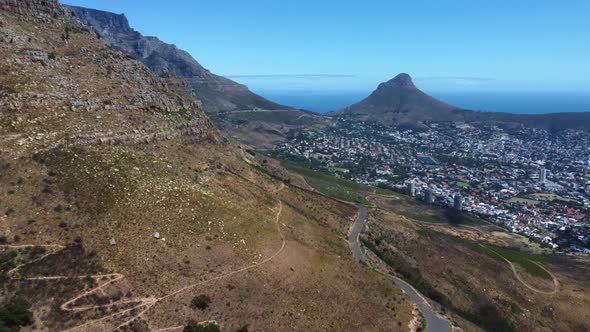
(193, 326)
(244, 328)
(201, 302)
(16, 313)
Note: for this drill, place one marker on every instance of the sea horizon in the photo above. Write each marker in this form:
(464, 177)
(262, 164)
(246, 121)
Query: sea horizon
(510, 102)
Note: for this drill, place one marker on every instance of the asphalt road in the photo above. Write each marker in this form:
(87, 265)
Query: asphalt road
(434, 322)
(357, 228)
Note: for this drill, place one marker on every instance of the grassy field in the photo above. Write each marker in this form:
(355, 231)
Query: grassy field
(328, 185)
(387, 192)
(551, 197)
(523, 200)
(411, 208)
(526, 261)
(338, 170)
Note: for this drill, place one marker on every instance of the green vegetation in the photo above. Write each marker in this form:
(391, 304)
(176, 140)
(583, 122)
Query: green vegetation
(328, 185)
(526, 261)
(193, 326)
(7, 262)
(523, 200)
(201, 302)
(550, 197)
(14, 314)
(338, 170)
(463, 185)
(387, 192)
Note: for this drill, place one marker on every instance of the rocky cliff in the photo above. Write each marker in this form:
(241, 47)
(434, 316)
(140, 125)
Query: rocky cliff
(32, 7)
(217, 93)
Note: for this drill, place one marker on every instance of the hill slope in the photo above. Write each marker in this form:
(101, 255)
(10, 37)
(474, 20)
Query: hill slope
(98, 154)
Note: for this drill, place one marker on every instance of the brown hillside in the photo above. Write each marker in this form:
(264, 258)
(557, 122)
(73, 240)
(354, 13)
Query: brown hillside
(97, 154)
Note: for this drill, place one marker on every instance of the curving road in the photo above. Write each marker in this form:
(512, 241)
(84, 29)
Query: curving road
(434, 322)
(356, 230)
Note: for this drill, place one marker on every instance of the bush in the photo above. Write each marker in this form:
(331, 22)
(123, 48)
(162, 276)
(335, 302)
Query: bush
(16, 313)
(193, 326)
(201, 302)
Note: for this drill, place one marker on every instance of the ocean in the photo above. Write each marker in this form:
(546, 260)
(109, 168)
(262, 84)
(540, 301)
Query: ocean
(512, 102)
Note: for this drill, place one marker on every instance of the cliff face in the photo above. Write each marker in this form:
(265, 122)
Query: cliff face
(217, 93)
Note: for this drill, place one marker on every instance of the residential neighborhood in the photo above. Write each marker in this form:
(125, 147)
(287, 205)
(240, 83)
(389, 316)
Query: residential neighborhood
(529, 181)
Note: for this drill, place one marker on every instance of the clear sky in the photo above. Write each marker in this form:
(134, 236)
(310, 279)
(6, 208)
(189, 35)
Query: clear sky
(453, 45)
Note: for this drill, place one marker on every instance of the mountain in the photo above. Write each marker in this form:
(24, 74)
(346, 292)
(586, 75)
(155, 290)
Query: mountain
(399, 102)
(123, 208)
(237, 111)
(217, 93)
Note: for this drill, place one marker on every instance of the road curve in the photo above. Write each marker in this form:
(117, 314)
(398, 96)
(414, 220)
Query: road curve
(434, 322)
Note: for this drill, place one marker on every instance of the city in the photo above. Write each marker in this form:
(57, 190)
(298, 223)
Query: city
(527, 180)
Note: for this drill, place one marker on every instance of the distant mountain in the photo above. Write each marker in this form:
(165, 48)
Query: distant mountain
(399, 102)
(217, 93)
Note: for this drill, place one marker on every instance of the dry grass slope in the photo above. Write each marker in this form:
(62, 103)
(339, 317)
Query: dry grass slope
(98, 153)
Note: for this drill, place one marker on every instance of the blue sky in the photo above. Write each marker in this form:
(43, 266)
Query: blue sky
(328, 45)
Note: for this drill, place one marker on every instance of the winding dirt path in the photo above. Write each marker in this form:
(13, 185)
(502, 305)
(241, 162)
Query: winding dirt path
(519, 278)
(141, 304)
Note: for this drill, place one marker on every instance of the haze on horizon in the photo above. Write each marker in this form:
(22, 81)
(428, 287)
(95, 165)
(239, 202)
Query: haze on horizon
(304, 45)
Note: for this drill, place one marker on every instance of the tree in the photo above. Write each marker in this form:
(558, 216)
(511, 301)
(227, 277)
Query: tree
(201, 302)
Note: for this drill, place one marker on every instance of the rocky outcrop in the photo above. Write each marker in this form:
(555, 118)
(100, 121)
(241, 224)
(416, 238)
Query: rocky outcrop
(32, 7)
(402, 80)
(192, 131)
(217, 93)
(61, 85)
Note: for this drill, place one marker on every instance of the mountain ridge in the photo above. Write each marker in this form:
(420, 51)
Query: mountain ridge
(234, 109)
(217, 93)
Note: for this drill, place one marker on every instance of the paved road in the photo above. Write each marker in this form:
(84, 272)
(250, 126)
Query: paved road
(434, 322)
(357, 228)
